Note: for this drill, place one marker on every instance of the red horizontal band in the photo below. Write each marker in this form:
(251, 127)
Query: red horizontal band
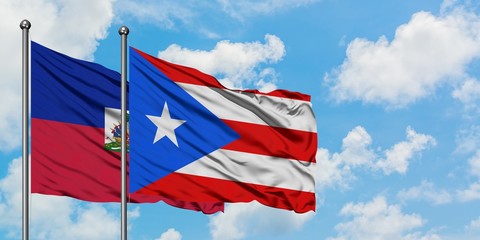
(189, 187)
(179, 73)
(273, 141)
(70, 160)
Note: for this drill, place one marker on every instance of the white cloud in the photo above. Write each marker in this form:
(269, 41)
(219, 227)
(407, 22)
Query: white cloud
(337, 169)
(413, 65)
(447, 5)
(53, 217)
(468, 94)
(11, 195)
(243, 9)
(80, 222)
(69, 26)
(134, 213)
(73, 27)
(242, 69)
(425, 191)
(170, 234)
(472, 193)
(474, 163)
(331, 171)
(398, 157)
(468, 140)
(355, 151)
(242, 219)
(379, 220)
(473, 226)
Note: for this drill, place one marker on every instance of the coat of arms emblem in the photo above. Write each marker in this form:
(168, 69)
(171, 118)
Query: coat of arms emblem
(113, 130)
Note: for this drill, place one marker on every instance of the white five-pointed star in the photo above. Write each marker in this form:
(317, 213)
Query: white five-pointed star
(165, 125)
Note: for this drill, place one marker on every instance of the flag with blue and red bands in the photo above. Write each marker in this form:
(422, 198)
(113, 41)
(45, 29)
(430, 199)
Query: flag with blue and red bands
(70, 99)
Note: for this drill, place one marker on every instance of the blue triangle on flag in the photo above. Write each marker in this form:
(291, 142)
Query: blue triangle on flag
(200, 134)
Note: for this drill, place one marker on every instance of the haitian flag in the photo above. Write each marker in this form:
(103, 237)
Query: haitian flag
(75, 126)
(195, 140)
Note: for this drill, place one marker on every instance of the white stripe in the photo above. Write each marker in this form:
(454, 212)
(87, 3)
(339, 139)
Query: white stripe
(254, 108)
(256, 169)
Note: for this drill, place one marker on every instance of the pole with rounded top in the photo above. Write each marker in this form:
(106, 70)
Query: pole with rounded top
(25, 26)
(123, 31)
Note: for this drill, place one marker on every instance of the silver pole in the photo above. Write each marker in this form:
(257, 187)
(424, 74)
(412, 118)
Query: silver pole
(123, 31)
(25, 26)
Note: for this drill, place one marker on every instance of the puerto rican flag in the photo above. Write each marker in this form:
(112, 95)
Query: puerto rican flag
(193, 139)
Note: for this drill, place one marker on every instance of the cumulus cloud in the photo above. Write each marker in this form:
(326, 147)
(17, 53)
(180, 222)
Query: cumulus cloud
(470, 194)
(331, 171)
(337, 169)
(79, 222)
(355, 148)
(170, 234)
(425, 191)
(243, 69)
(398, 157)
(53, 217)
(413, 65)
(243, 219)
(469, 94)
(379, 220)
(72, 27)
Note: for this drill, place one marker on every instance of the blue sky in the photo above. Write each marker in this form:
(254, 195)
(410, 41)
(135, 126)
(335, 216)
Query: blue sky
(395, 89)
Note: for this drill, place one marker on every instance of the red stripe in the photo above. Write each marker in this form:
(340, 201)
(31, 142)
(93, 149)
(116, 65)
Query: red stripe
(70, 160)
(273, 141)
(189, 187)
(179, 73)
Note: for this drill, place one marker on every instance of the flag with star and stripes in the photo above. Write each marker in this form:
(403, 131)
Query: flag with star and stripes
(195, 140)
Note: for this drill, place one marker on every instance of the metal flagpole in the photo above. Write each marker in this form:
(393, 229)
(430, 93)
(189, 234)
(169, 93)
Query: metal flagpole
(25, 26)
(123, 31)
